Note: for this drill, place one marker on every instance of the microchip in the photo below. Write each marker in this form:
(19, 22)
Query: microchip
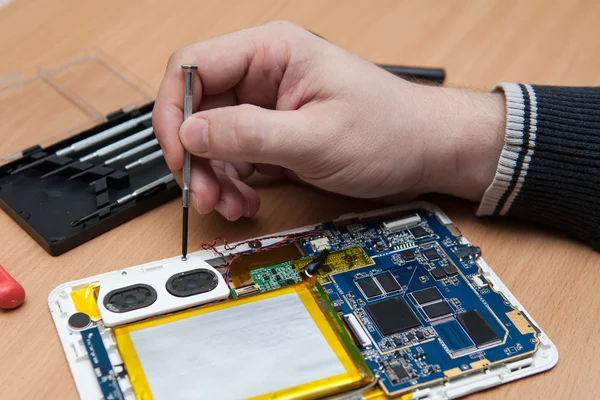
(338, 308)
(388, 282)
(451, 270)
(343, 230)
(469, 251)
(400, 372)
(410, 336)
(420, 335)
(393, 315)
(478, 328)
(437, 310)
(418, 232)
(428, 295)
(431, 254)
(325, 269)
(398, 341)
(438, 273)
(407, 255)
(368, 287)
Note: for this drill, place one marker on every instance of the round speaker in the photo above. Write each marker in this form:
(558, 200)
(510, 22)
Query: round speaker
(192, 282)
(130, 298)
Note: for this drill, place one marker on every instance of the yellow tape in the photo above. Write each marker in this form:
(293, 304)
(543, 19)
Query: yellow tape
(354, 376)
(85, 300)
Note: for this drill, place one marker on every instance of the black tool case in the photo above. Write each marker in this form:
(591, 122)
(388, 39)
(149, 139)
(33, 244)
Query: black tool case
(46, 208)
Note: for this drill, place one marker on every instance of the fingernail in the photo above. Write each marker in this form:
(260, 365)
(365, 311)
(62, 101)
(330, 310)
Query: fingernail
(194, 135)
(195, 202)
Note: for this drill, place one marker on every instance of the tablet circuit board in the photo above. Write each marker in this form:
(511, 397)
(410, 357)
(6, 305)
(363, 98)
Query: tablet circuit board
(413, 297)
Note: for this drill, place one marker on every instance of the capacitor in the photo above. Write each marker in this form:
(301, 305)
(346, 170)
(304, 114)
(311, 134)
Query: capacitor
(12, 293)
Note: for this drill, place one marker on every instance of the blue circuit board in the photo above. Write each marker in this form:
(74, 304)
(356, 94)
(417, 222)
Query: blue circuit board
(429, 313)
(103, 368)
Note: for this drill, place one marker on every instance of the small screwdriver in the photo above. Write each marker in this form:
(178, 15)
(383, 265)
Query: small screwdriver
(123, 156)
(106, 150)
(89, 142)
(127, 198)
(187, 111)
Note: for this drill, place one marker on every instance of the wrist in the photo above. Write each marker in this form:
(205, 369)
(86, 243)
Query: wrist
(466, 141)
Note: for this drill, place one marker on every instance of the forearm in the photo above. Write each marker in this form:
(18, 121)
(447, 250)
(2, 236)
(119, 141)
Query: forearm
(549, 168)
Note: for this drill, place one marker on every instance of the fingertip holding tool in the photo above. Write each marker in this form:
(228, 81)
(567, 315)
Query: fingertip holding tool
(189, 71)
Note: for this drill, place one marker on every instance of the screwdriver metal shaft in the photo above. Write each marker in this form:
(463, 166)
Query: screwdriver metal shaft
(88, 142)
(189, 71)
(127, 198)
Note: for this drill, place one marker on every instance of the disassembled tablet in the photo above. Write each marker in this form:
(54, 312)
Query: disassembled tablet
(394, 303)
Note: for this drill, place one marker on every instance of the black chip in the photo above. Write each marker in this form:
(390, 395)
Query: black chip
(438, 273)
(469, 251)
(393, 315)
(451, 270)
(427, 295)
(400, 372)
(478, 328)
(343, 230)
(410, 336)
(324, 268)
(418, 232)
(420, 335)
(407, 255)
(431, 254)
(398, 341)
(437, 310)
(369, 287)
(338, 308)
(387, 282)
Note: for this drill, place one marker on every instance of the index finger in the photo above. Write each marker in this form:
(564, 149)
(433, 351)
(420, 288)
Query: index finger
(223, 62)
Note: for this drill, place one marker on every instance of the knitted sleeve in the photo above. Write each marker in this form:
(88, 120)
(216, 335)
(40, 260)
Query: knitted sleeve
(549, 169)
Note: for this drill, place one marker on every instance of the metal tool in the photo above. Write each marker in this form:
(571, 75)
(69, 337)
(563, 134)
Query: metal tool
(106, 150)
(139, 162)
(127, 198)
(123, 156)
(187, 111)
(88, 142)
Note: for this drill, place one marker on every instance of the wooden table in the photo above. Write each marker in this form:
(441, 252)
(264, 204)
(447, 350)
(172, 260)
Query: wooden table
(478, 42)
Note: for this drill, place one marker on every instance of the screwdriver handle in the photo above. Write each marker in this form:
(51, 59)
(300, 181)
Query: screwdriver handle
(144, 160)
(111, 148)
(145, 188)
(12, 293)
(132, 152)
(433, 75)
(99, 137)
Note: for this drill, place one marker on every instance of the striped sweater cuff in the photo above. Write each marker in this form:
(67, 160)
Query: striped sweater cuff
(549, 169)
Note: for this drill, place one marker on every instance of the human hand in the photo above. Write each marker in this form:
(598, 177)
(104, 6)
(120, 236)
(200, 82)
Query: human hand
(280, 100)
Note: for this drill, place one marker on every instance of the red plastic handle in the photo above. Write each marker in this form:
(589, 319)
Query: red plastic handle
(12, 293)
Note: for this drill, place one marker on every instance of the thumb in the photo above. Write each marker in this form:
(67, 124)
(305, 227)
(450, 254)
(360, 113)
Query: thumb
(248, 133)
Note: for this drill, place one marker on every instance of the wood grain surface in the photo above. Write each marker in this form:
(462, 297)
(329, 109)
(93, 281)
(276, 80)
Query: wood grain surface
(478, 42)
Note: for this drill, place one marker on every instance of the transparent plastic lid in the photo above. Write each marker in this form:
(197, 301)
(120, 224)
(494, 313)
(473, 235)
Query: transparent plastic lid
(57, 100)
